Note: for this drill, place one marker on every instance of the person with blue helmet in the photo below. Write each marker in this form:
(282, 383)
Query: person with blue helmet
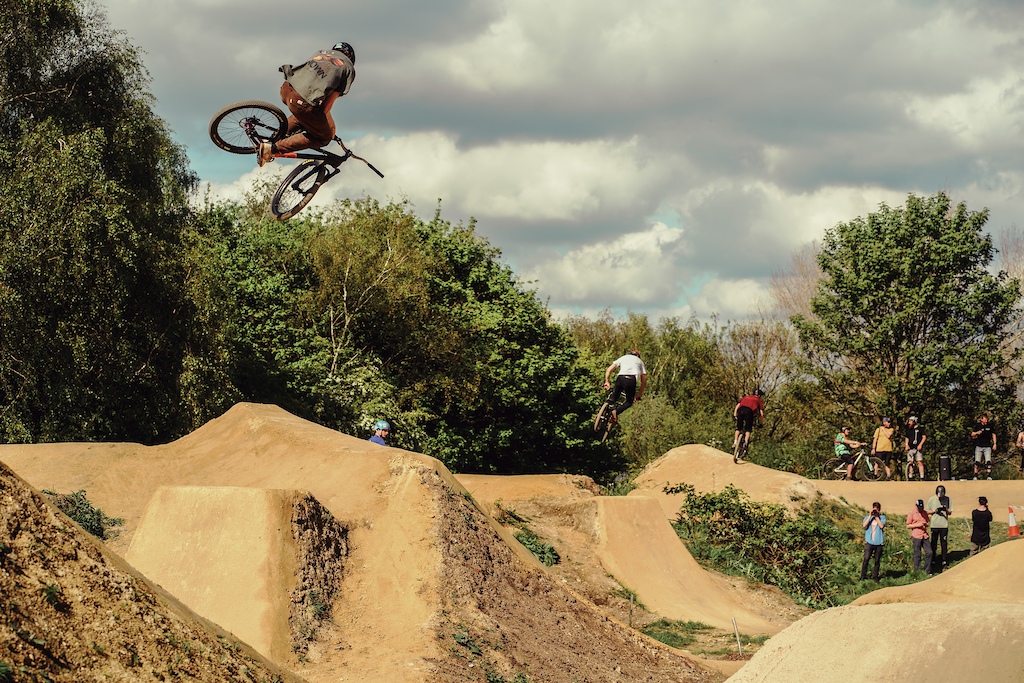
(380, 431)
(309, 91)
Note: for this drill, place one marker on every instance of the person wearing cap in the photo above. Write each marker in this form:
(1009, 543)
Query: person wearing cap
(981, 520)
(380, 432)
(874, 537)
(984, 438)
(881, 444)
(917, 522)
(843, 443)
(939, 508)
(913, 442)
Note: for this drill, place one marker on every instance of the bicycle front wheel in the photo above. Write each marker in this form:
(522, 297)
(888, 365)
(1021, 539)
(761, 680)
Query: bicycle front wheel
(874, 469)
(297, 189)
(834, 468)
(602, 417)
(239, 128)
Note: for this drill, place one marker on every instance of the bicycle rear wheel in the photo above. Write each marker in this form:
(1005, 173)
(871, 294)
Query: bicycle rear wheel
(874, 469)
(832, 469)
(739, 451)
(239, 128)
(297, 189)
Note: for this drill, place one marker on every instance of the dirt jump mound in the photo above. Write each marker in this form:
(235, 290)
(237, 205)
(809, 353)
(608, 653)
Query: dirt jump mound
(74, 611)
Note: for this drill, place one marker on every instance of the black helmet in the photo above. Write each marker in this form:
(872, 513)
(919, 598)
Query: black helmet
(758, 392)
(346, 49)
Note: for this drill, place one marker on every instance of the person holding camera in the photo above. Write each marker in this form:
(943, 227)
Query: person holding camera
(917, 522)
(981, 519)
(939, 508)
(874, 537)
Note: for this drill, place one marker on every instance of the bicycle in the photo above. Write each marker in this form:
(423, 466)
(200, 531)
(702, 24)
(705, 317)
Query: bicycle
(742, 447)
(603, 422)
(239, 128)
(872, 467)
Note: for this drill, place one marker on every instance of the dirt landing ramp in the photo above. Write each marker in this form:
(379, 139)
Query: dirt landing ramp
(898, 643)
(229, 554)
(994, 575)
(639, 547)
(708, 469)
(73, 611)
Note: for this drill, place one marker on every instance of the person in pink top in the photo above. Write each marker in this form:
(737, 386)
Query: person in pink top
(917, 522)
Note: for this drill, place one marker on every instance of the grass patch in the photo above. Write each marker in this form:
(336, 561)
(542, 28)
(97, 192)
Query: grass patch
(814, 556)
(92, 519)
(677, 634)
(542, 550)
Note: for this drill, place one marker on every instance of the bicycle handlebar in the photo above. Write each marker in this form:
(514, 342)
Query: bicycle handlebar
(349, 153)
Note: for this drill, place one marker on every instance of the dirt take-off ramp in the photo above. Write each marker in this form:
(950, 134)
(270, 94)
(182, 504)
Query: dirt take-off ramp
(431, 588)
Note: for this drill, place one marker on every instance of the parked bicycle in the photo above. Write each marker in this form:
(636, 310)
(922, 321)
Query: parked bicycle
(239, 128)
(865, 466)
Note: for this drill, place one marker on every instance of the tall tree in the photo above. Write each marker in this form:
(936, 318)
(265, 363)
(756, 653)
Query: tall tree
(94, 323)
(908, 319)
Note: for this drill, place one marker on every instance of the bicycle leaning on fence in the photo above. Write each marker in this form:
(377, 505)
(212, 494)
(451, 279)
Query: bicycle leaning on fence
(239, 128)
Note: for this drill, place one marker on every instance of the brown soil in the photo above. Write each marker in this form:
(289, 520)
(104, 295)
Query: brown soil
(428, 586)
(73, 611)
(428, 581)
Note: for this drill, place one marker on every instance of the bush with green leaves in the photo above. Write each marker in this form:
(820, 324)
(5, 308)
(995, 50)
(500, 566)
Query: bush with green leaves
(762, 541)
(77, 507)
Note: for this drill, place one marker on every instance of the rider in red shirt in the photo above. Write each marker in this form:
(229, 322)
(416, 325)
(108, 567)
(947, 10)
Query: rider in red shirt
(744, 412)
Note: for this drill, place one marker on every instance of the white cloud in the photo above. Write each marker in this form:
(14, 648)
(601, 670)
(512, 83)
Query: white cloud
(729, 299)
(530, 181)
(988, 113)
(631, 269)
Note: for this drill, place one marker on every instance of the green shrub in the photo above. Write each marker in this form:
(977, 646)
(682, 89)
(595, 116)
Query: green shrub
(77, 507)
(544, 552)
(762, 541)
(673, 633)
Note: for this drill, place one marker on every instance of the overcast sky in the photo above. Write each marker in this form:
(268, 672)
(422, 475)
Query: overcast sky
(659, 156)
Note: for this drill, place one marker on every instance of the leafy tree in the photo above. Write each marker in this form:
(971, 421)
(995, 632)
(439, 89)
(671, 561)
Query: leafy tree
(909, 320)
(93, 317)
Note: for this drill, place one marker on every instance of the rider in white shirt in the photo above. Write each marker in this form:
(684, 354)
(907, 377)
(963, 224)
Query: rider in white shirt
(630, 369)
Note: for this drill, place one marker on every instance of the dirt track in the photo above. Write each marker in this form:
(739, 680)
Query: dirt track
(429, 572)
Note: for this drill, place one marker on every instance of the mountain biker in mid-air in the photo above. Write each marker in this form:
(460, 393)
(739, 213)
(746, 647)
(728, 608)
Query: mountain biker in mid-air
(749, 406)
(843, 443)
(630, 368)
(309, 91)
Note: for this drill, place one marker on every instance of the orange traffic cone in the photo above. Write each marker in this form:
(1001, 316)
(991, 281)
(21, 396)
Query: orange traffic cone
(1014, 531)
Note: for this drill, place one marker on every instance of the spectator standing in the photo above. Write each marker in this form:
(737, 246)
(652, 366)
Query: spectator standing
(939, 508)
(380, 432)
(917, 522)
(874, 537)
(913, 442)
(984, 439)
(981, 520)
(882, 446)
(1020, 447)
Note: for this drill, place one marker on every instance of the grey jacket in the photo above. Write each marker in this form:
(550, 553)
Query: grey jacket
(325, 72)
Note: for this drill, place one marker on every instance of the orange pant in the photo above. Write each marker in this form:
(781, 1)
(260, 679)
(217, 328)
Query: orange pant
(309, 126)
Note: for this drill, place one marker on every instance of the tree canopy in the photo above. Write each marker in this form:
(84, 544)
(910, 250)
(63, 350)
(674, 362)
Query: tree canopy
(909, 320)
